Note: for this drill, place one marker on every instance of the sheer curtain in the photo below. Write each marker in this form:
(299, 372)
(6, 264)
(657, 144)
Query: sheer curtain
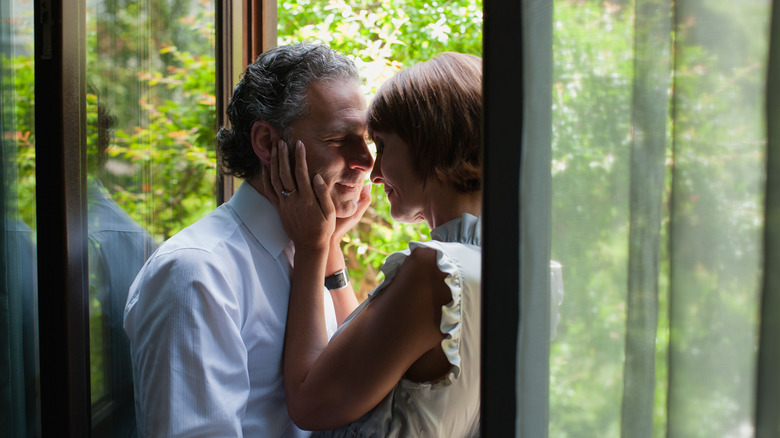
(768, 387)
(664, 217)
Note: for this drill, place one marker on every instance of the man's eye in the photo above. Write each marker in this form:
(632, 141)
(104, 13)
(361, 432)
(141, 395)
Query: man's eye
(380, 147)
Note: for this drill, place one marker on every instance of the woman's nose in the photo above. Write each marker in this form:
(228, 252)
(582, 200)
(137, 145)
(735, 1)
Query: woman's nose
(376, 173)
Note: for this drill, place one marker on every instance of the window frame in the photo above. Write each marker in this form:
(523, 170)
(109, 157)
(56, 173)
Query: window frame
(60, 102)
(60, 125)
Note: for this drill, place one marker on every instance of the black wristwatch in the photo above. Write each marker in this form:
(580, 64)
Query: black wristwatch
(338, 280)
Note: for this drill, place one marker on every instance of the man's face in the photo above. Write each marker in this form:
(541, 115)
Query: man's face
(334, 134)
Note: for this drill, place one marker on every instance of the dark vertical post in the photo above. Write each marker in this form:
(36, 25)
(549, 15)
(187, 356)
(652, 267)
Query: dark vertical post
(503, 94)
(225, 55)
(60, 161)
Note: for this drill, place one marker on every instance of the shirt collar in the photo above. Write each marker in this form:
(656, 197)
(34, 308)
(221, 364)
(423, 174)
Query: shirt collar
(260, 218)
(95, 190)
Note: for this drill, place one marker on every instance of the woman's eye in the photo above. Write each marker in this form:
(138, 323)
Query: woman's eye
(380, 147)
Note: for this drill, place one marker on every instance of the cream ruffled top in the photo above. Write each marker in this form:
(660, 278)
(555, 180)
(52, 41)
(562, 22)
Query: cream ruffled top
(449, 407)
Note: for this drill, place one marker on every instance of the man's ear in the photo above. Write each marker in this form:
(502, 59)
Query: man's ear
(264, 137)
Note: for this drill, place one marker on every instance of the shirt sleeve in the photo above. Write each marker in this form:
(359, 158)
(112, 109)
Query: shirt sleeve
(331, 324)
(189, 359)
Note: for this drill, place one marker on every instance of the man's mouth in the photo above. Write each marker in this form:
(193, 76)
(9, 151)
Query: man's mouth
(347, 187)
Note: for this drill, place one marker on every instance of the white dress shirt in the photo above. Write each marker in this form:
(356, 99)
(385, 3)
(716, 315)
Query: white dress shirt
(118, 248)
(206, 319)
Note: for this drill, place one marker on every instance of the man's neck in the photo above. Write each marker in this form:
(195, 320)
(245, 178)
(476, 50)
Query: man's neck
(256, 182)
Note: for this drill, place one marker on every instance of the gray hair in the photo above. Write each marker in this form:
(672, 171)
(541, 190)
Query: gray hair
(274, 89)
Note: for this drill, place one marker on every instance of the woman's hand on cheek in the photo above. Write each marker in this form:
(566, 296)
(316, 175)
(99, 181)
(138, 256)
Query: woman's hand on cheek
(307, 212)
(343, 225)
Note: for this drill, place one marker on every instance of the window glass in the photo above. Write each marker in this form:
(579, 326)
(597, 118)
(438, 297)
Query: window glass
(614, 99)
(151, 162)
(592, 49)
(19, 393)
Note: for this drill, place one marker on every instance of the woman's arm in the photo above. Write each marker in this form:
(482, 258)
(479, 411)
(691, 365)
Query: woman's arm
(344, 299)
(330, 385)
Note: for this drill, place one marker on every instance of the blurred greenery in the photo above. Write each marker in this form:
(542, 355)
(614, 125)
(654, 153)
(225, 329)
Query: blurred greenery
(160, 88)
(712, 220)
(592, 92)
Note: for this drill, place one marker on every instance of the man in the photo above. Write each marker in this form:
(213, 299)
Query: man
(206, 315)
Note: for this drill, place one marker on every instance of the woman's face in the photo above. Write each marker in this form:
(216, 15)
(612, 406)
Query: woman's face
(393, 168)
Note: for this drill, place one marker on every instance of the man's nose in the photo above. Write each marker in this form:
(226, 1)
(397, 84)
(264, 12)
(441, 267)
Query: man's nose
(361, 158)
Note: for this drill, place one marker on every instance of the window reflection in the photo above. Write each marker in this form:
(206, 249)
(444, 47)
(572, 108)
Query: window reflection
(151, 164)
(118, 247)
(19, 392)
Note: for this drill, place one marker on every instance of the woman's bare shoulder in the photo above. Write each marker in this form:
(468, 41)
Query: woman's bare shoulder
(419, 275)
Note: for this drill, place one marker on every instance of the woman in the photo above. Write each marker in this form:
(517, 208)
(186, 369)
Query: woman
(406, 362)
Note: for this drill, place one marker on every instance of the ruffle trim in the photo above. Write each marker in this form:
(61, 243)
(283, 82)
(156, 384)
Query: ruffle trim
(450, 324)
(465, 230)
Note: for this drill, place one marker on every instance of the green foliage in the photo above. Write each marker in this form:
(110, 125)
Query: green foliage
(384, 36)
(19, 141)
(161, 162)
(151, 123)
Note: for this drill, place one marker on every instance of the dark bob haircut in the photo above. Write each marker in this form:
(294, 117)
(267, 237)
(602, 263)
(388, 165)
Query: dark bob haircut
(436, 108)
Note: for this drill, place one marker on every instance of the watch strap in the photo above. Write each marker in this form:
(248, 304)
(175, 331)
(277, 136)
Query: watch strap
(338, 280)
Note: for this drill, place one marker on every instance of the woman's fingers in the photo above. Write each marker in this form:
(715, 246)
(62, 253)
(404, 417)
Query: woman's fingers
(268, 187)
(306, 210)
(285, 174)
(302, 170)
(365, 198)
(343, 225)
(326, 203)
(285, 181)
(275, 183)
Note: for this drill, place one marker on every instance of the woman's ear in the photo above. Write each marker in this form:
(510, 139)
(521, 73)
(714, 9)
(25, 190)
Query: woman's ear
(263, 136)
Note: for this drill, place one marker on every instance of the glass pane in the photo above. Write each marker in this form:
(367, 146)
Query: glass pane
(710, 239)
(151, 164)
(717, 216)
(19, 395)
(592, 96)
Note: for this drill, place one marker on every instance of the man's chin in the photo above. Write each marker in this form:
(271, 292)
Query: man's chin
(346, 208)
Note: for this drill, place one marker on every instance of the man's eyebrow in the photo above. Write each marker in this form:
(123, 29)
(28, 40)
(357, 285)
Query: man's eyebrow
(346, 125)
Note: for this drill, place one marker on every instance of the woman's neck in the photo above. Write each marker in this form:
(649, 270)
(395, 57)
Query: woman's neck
(450, 204)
